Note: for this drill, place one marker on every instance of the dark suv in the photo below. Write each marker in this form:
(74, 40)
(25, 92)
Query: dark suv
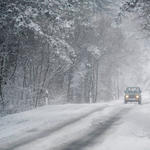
(132, 94)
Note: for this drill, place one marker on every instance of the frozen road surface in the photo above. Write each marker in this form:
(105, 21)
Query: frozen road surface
(103, 126)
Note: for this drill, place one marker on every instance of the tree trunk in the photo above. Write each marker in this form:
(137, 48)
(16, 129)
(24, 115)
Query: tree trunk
(1, 80)
(97, 65)
(68, 90)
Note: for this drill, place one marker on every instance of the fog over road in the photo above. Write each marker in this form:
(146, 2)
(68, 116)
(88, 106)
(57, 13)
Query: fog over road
(64, 66)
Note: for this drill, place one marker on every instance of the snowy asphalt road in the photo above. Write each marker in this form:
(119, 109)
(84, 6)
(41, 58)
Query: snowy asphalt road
(77, 127)
(23, 141)
(95, 133)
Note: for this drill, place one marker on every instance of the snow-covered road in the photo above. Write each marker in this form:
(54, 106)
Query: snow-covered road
(102, 126)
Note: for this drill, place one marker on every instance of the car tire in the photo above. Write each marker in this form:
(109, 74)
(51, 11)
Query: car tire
(125, 101)
(139, 102)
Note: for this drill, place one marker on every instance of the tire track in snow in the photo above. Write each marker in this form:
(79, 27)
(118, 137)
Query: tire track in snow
(97, 132)
(14, 144)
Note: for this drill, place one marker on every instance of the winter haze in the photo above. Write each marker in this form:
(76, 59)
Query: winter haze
(64, 69)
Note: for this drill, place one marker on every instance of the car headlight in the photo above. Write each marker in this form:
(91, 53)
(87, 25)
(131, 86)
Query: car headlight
(137, 96)
(127, 96)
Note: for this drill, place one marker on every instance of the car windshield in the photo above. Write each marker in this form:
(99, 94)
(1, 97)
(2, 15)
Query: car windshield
(132, 89)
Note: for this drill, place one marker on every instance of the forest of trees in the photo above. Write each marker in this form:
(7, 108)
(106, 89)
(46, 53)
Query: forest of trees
(70, 48)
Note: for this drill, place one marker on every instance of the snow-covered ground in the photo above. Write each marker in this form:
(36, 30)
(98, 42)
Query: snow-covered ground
(56, 126)
(132, 131)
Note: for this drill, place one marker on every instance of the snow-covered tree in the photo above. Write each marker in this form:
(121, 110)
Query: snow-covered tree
(69, 48)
